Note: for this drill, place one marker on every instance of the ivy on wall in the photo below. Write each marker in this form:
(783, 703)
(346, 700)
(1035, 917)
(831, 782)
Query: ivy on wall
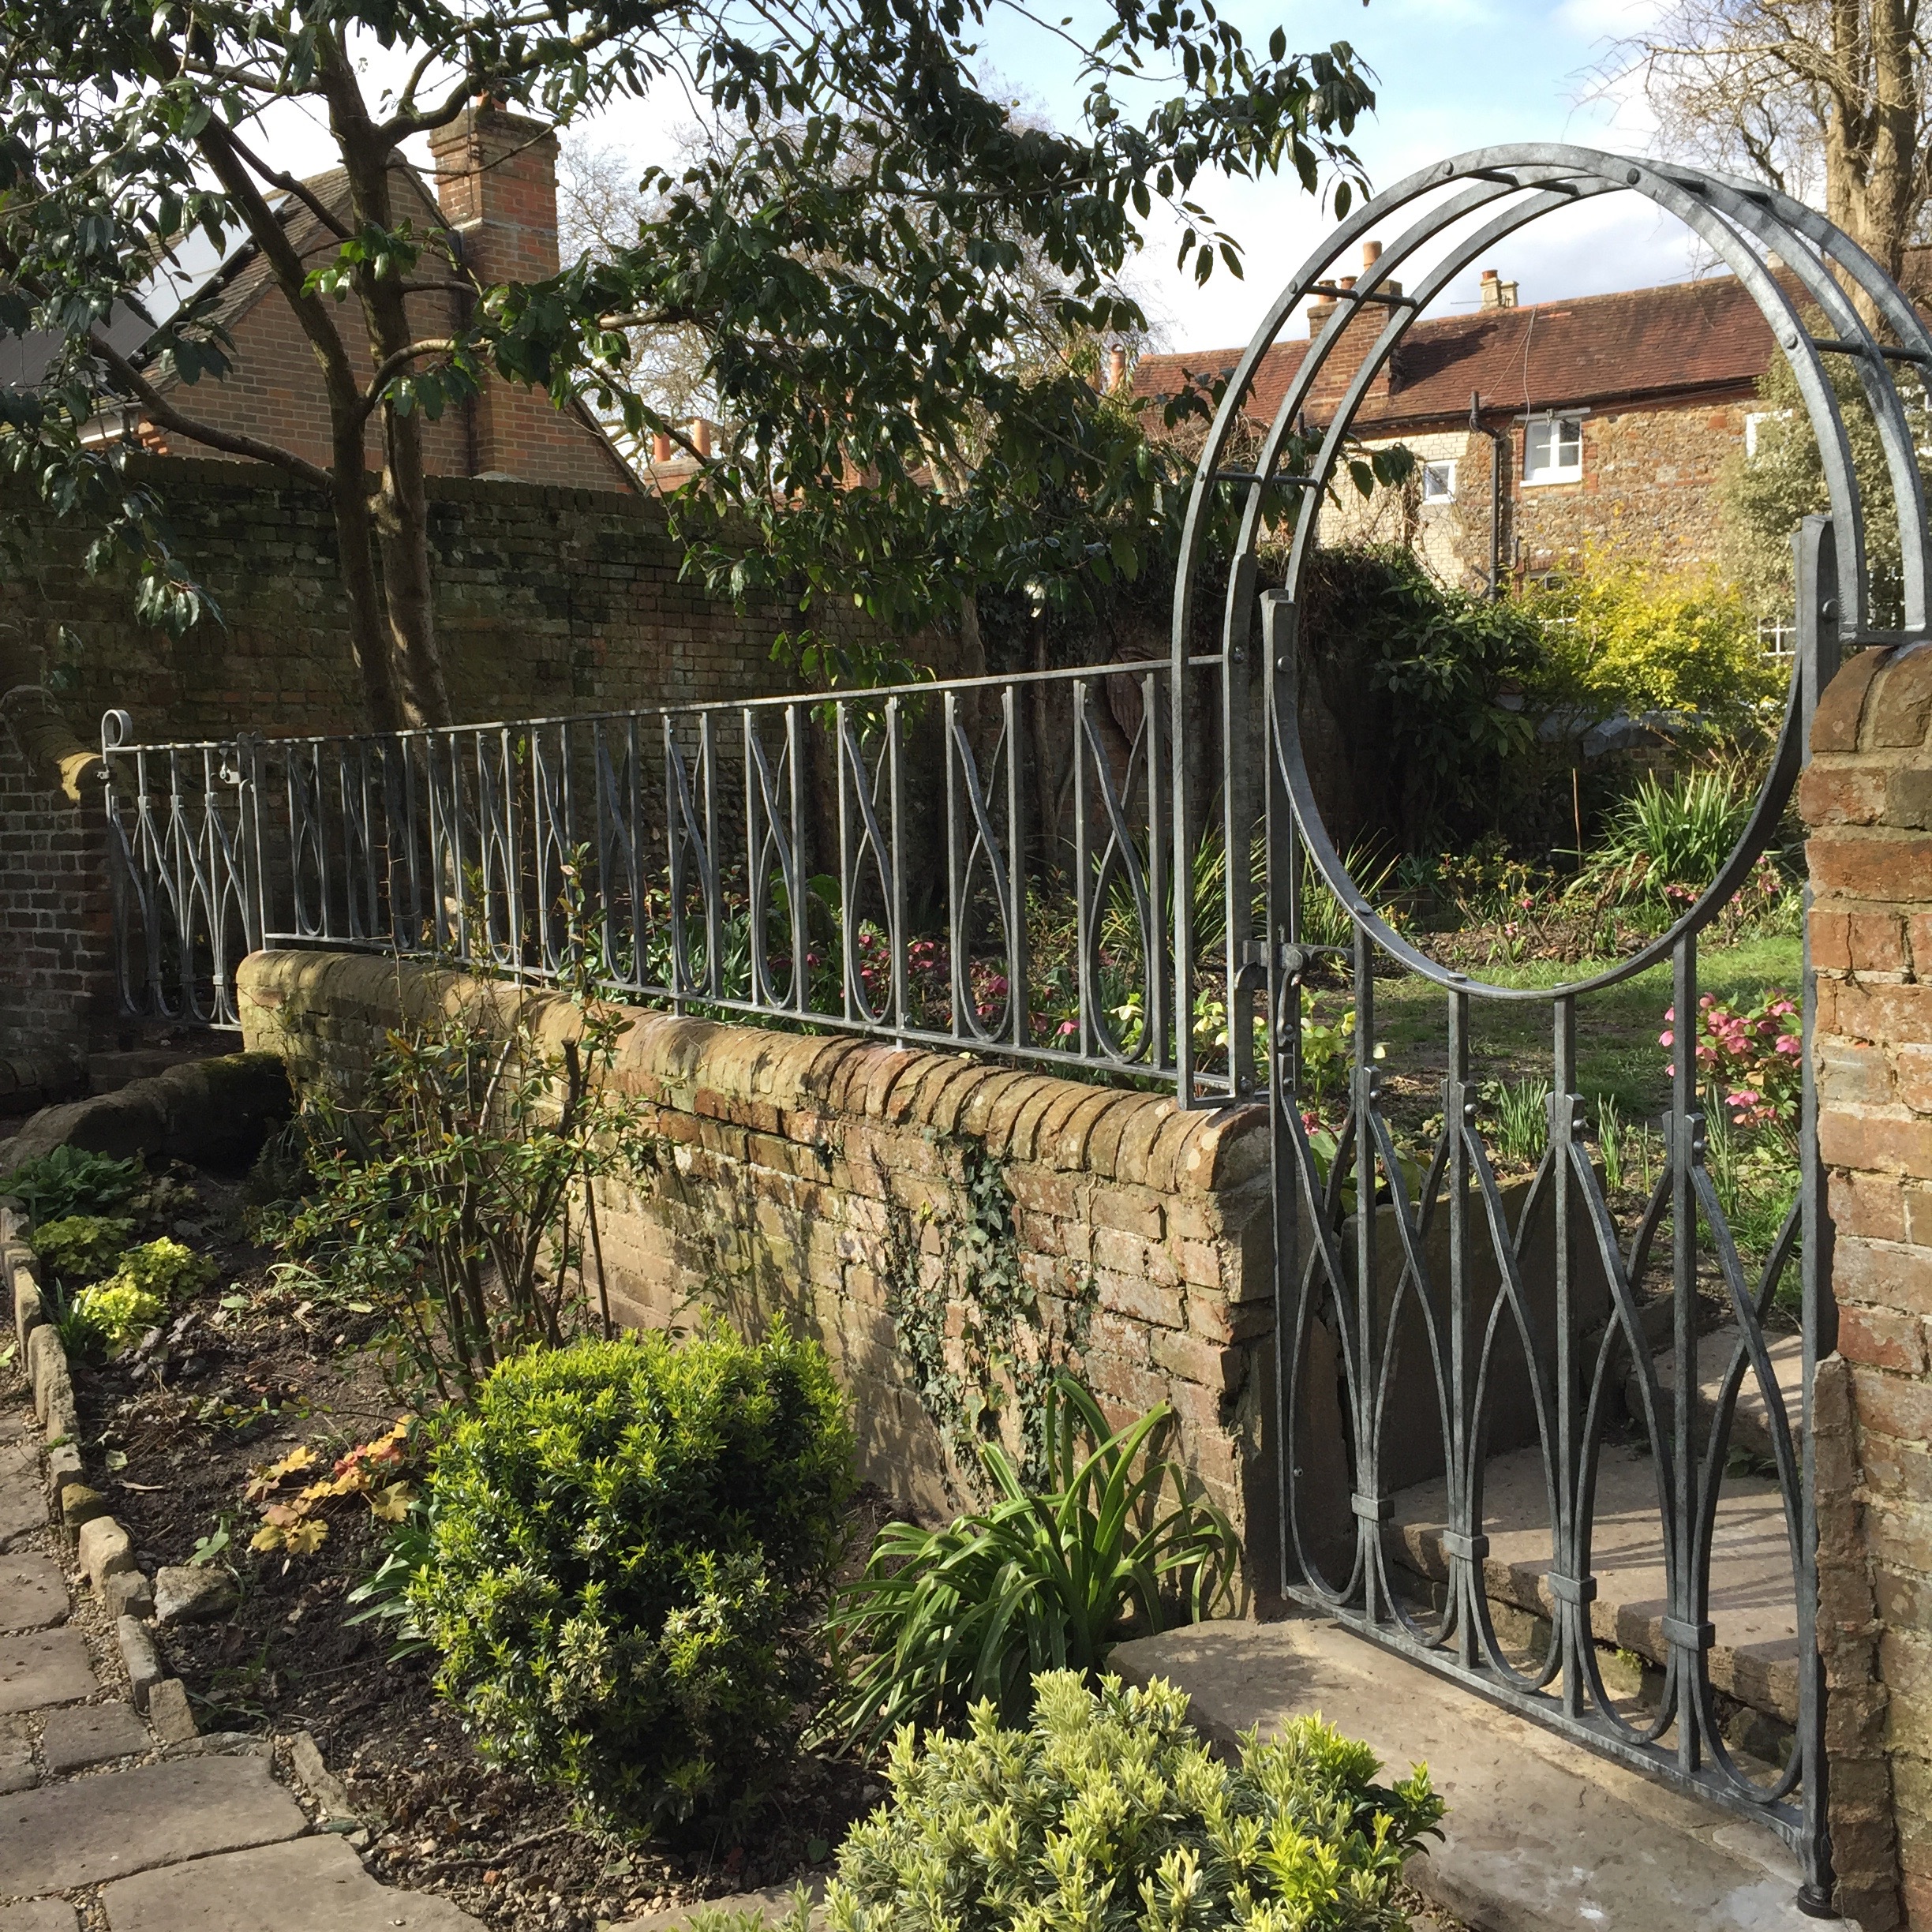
(990, 1380)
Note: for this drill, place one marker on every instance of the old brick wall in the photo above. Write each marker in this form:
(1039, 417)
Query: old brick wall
(56, 986)
(1867, 799)
(829, 1179)
(548, 601)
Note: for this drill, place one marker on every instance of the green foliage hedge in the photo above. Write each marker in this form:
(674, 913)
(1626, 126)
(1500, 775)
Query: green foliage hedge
(632, 1540)
(1107, 1813)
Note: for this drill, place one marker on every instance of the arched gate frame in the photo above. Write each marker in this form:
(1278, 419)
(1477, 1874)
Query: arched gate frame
(1466, 206)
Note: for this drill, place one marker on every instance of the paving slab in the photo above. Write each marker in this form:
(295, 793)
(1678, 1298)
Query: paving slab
(90, 1734)
(44, 1667)
(40, 1915)
(773, 1904)
(1540, 1835)
(1754, 1603)
(33, 1593)
(309, 1885)
(99, 1829)
(23, 1504)
(16, 1764)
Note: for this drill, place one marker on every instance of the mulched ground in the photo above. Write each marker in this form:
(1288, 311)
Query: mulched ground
(249, 1371)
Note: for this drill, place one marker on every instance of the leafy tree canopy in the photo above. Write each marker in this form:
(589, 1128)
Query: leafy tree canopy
(860, 251)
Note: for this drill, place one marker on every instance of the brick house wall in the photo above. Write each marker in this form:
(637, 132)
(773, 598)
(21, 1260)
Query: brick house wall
(1867, 800)
(825, 1179)
(496, 186)
(1663, 380)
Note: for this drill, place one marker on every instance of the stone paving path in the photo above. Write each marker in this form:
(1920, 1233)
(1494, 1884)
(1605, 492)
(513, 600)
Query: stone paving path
(105, 1826)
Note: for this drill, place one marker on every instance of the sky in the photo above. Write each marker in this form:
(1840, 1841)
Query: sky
(1450, 75)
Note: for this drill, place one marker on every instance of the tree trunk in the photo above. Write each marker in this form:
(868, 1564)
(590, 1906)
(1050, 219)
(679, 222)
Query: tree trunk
(1870, 163)
(369, 630)
(402, 521)
(399, 519)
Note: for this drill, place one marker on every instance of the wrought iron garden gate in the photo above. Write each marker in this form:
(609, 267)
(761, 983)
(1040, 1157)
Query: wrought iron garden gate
(1458, 1321)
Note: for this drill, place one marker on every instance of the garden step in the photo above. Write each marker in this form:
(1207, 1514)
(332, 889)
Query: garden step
(1750, 1427)
(90, 1734)
(99, 1829)
(1539, 1834)
(308, 1885)
(1752, 1599)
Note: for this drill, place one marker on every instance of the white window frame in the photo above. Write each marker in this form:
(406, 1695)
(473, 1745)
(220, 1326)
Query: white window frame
(1443, 468)
(1553, 424)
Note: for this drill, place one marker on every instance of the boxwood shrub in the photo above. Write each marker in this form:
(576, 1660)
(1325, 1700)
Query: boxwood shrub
(632, 1543)
(1107, 1813)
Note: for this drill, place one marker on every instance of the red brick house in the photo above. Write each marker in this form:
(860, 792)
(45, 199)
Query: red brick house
(495, 190)
(1613, 417)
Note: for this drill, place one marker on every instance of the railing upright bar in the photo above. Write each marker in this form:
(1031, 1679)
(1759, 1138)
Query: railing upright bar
(895, 773)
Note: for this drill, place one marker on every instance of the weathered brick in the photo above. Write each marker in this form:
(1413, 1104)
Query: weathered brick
(1902, 703)
(1835, 725)
(1882, 1339)
(1840, 794)
(1880, 865)
(1882, 1143)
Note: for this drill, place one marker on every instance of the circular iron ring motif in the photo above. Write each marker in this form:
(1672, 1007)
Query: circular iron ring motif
(1521, 184)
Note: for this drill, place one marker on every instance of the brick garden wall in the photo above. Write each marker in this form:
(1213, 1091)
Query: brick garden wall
(833, 1180)
(55, 984)
(548, 601)
(1867, 799)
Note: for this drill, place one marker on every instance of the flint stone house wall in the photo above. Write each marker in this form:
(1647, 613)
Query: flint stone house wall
(820, 1178)
(1867, 799)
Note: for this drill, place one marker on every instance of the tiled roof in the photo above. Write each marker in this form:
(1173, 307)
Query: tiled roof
(1688, 339)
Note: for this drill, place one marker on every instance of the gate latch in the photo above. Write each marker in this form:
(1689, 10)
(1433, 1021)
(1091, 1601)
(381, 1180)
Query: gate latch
(1294, 960)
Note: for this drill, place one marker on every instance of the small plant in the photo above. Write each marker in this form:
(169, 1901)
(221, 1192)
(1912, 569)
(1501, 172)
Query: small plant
(1518, 1120)
(373, 1470)
(67, 1181)
(1755, 1179)
(1613, 1144)
(388, 1593)
(207, 1548)
(1752, 1061)
(1106, 1811)
(80, 1249)
(109, 1313)
(457, 1200)
(1666, 842)
(1116, 1546)
(631, 1543)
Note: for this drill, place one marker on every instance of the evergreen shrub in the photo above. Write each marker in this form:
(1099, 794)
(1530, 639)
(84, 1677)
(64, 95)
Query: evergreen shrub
(631, 1544)
(1108, 1813)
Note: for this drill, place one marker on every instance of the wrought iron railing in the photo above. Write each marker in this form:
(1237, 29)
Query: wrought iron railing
(986, 863)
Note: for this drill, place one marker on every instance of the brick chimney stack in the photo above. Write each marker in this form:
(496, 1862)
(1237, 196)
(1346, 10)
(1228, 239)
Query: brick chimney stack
(495, 180)
(495, 177)
(1497, 293)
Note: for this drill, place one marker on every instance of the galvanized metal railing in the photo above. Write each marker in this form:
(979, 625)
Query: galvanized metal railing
(875, 863)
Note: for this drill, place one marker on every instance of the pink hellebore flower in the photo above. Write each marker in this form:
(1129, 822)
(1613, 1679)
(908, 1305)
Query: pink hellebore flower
(1789, 1044)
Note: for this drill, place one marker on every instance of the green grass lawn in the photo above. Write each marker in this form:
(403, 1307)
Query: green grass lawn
(1617, 1055)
